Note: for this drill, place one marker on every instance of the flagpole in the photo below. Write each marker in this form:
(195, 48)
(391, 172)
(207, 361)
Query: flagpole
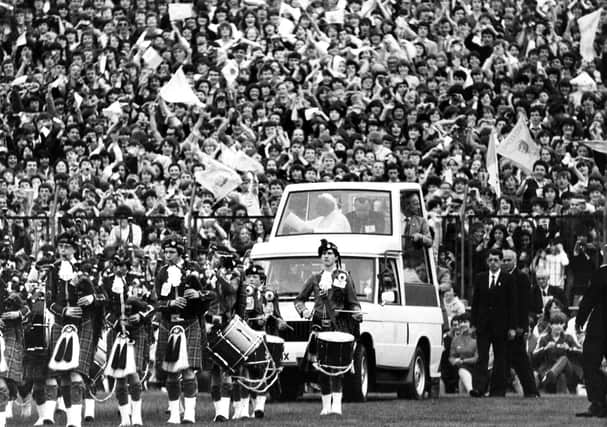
(462, 216)
(190, 217)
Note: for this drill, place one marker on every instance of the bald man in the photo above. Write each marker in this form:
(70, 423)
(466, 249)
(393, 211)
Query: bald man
(517, 352)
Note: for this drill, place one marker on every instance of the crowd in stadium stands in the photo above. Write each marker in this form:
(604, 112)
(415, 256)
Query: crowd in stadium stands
(309, 91)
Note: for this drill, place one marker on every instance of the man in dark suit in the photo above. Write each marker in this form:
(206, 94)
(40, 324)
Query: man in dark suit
(494, 317)
(517, 352)
(541, 293)
(593, 307)
(363, 219)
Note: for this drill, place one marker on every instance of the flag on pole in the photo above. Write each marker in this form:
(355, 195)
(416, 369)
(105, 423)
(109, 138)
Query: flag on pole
(238, 160)
(216, 177)
(178, 90)
(600, 146)
(588, 25)
(493, 167)
(519, 147)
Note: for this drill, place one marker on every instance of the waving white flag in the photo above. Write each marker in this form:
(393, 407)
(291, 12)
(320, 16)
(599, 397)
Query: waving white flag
(178, 90)
(216, 177)
(493, 167)
(588, 25)
(519, 146)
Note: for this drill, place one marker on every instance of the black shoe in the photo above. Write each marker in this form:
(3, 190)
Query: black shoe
(475, 393)
(187, 422)
(89, 419)
(259, 414)
(593, 412)
(48, 423)
(532, 395)
(220, 419)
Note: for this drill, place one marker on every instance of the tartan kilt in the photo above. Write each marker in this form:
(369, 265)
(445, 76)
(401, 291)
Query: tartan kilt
(88, 345)
(193, 334)
(35, 365)
(142, 346)
(13, 354)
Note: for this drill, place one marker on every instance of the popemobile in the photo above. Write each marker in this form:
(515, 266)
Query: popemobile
(385, 247)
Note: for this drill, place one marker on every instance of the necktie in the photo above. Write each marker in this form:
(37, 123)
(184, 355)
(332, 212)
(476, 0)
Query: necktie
(492, 284)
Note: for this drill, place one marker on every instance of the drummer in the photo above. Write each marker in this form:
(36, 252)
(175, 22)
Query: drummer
(263, 314)
(180, 302)
(226, 283)
(128, 312)
(333, 291)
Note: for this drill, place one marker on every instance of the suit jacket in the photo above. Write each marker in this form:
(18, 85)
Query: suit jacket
(521, 282)
(593, 305)
(374, 223)
(536, 303)
(494, 310)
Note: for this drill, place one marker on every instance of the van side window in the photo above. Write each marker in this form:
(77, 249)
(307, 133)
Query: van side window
(419, 290)
(416, 241)
(389, 289)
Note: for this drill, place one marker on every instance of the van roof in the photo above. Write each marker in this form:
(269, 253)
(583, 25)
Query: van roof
(353, 185)
(307, 245)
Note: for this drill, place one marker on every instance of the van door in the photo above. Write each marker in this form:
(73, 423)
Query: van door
(384, 320)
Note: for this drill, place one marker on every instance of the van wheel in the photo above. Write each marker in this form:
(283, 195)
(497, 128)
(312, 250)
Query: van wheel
(356, 385)
(419, 383)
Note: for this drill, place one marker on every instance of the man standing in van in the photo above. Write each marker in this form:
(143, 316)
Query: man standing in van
(494, 317)
(414, 226)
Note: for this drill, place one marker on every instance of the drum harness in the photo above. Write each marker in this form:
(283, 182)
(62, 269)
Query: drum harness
(270, 375)
(323, 318)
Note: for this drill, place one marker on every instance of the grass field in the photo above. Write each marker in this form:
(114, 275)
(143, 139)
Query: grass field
(380, 410)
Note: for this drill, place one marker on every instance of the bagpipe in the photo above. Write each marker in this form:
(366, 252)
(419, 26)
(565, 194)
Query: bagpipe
(121, 362)
(176, 356)
(66, 353)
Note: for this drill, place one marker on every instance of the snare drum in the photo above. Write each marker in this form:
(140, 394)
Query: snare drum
(235, 344)
(335, 351)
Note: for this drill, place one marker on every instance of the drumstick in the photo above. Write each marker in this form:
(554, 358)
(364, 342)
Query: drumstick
(350, 311)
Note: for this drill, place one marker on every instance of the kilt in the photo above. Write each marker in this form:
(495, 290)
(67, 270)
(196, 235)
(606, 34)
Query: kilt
(142, 346)
(35, 365)
(13, 354)
(88, 345)
(193, 335)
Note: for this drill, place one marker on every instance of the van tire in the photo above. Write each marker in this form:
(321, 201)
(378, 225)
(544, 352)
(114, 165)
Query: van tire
(420, 379)
(356, 385)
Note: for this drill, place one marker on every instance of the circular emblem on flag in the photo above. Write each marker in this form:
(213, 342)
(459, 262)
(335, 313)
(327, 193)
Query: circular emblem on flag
(523, 147)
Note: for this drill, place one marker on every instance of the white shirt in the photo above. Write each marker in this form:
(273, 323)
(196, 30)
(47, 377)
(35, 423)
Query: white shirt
(493, 278)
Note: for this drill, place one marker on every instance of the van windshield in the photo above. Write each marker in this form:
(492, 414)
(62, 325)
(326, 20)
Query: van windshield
(288, 275)
(336, 212)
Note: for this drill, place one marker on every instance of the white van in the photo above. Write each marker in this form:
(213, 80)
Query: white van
(401, 335)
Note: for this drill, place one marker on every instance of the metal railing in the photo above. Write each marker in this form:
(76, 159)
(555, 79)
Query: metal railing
(563, 247)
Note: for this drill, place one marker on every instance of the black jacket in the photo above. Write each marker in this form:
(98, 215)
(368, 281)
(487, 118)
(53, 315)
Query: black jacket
(521, 282)
(494, 310)
(593, 305)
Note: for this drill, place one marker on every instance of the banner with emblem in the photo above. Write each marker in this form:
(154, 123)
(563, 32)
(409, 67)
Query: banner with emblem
(216, 177)
(519, 147)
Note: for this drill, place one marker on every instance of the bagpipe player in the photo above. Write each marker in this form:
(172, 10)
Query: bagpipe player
(14, 313)
(336, 308)
(179, 347)
(71, 298)
(129, 317)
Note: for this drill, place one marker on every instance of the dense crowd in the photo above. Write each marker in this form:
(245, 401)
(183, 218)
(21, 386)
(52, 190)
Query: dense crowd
(303, 91)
